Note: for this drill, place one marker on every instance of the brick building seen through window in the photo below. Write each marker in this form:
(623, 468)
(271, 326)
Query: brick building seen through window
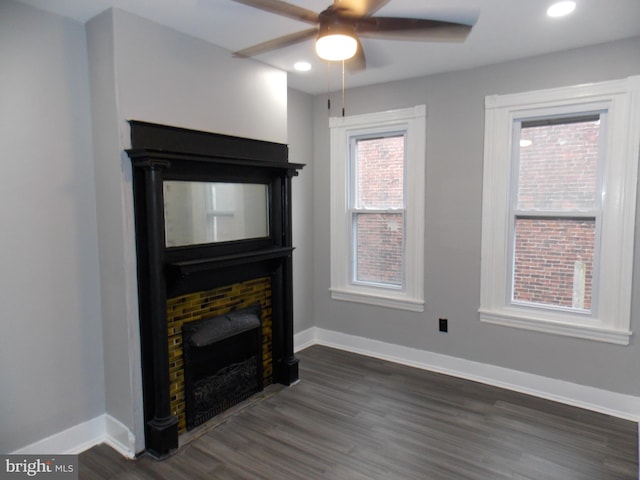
(378, 206)
(554, 253)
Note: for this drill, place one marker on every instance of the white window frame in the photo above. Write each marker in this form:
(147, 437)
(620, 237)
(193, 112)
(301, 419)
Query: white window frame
(609, 320)
(343, 129)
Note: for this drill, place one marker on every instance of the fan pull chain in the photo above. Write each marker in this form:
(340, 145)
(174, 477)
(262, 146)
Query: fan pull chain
(343, 88)
(329, 87)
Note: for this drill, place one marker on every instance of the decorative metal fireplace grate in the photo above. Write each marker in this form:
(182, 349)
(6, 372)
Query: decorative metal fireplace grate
(222, 363)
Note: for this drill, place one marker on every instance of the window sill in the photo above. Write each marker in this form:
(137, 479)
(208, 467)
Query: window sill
(510, 318)
(411, 304)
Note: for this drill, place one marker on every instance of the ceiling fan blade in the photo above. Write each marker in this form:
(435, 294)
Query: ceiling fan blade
(412, 29)
(358, 8)
(276, 43)
(358, 62)
(282, 8)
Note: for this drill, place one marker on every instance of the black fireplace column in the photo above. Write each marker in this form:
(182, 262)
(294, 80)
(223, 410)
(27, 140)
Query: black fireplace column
(161, 430)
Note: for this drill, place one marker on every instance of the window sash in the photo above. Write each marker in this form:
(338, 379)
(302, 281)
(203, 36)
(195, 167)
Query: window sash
(355, 209)
(380, 133)
(354, 253)
(594, 214)
(550, 269)
(575, 116)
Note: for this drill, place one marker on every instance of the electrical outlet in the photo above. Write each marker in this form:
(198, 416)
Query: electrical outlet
(443, 325)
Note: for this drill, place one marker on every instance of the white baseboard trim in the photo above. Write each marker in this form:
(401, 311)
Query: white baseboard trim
(305, 339)
(119, 437)
(74, 440)
(595, 399)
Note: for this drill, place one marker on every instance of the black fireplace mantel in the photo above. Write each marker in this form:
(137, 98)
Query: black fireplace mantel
(160, 153)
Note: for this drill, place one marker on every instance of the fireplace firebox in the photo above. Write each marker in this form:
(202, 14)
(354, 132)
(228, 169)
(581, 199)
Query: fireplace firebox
(222, 363)
(211, 211)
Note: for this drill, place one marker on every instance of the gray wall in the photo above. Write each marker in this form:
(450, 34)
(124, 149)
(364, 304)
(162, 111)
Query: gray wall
(300, 134)
(51, 343)
(455, 118)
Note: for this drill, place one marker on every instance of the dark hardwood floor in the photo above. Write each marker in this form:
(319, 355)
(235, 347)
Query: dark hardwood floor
(358, 418)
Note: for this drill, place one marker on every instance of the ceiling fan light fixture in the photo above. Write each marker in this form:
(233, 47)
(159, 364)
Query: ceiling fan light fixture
(336, 42)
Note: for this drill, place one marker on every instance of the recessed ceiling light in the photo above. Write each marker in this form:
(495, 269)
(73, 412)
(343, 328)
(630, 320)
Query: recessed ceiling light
(302, 66)
(560, 9)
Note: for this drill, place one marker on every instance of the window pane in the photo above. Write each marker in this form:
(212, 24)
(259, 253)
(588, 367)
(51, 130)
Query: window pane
(379, 248)
(380, 172)
(553, 261)
(559, 166)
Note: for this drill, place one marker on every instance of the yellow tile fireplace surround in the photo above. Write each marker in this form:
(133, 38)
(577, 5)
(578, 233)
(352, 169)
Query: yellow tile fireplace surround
(197, 306)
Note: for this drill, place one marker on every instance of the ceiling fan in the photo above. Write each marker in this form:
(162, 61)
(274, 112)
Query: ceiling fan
(348, 20)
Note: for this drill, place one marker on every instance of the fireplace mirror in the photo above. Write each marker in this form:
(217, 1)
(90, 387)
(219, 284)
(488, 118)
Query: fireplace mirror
(210, 212)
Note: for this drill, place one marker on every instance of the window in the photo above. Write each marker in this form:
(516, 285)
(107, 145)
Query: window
(556, 210)
(377, 209)
(559, 198)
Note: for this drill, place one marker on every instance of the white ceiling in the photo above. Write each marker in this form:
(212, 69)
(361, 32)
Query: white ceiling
(504, 30)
